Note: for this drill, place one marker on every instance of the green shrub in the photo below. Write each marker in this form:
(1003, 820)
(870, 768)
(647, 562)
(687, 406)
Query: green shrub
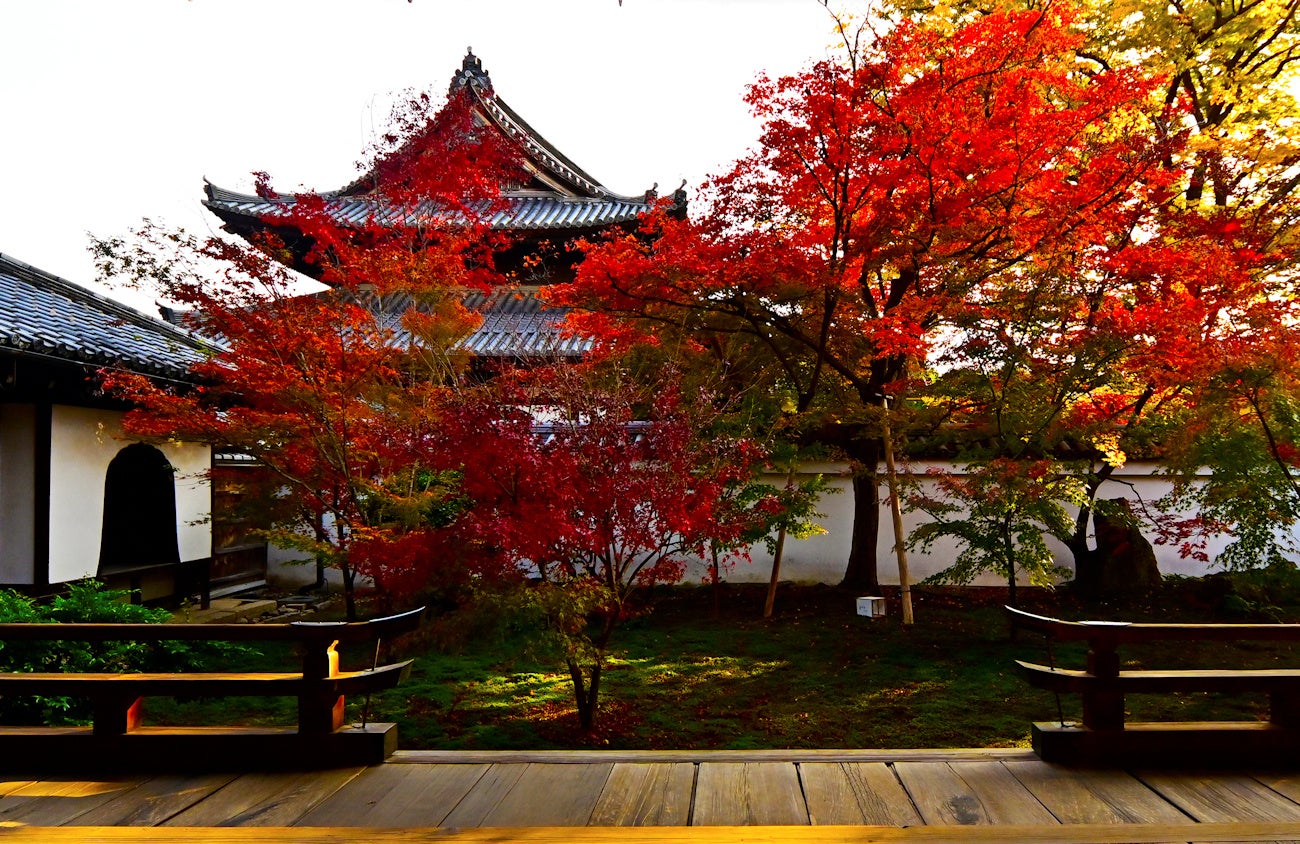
(88, 601)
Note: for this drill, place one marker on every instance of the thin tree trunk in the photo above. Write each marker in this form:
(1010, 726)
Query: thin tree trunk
(318, 522)
(349, 590)
(1010, 550)
(715, 579)
(776, 573)
(896, 511)
(770, 601)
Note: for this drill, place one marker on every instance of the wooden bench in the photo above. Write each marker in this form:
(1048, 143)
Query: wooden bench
(1104, 736)
(118, 737)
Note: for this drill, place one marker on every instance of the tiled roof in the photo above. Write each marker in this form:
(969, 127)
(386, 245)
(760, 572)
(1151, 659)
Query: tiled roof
(518, 211)
(558, 196)
(516, 323)
(42, 315)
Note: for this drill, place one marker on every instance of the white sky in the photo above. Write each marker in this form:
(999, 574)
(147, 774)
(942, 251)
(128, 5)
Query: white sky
(111, 112)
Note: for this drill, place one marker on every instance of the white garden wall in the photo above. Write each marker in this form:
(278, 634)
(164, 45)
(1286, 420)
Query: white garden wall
(821, 559)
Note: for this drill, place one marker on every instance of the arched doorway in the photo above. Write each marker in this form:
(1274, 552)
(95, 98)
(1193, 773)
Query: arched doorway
(139, 511)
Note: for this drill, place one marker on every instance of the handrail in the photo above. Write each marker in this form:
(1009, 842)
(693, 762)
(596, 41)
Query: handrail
(294, 631)
(1120, 632)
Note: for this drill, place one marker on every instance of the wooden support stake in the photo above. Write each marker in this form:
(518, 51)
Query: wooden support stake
(900, 548)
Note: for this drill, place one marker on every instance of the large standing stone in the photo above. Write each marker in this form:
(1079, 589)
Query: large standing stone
(1126, 562)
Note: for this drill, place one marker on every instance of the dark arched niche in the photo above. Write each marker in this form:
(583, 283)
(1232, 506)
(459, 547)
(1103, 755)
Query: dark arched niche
(139, 511)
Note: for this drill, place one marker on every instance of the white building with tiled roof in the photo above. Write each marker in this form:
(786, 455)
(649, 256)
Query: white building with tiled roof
(78, 498)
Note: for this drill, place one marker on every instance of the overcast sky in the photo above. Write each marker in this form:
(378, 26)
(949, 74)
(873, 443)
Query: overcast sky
(111, 112)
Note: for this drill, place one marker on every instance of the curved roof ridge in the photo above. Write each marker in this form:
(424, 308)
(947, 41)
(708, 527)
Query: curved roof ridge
(557, 194)
(473, 78)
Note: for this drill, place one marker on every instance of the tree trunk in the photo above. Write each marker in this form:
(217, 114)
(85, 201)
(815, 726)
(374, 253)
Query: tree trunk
(1122, 565)
(318, 523)
(1086, 561)
(775, 578)
(585, 694)
(1125, 561)
(715, 580)
(1009, 548)
(770, 601)
(861, 574)
(349, 590)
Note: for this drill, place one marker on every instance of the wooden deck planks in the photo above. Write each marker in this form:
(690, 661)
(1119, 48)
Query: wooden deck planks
(642, 794)
(855, 793)
(1286, 784)
(964, 793)
(1222, 797)
(973, 799)
(747, 794)
(395, 795)
(1083, 796)
(265, 799)
(54, 802)
(154, 800)
(544, 795)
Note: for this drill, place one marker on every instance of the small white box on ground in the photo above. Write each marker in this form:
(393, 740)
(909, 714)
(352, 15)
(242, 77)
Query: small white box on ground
(871, 606)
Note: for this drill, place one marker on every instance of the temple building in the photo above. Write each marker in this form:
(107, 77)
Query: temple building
(554, 203)
(79, 498)
(547, 203)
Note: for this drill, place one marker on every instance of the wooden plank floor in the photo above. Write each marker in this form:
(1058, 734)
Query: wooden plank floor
(984, 795)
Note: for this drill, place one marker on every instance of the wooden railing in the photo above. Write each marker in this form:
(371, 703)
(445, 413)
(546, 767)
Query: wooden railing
(1105, 735)
(117, 699)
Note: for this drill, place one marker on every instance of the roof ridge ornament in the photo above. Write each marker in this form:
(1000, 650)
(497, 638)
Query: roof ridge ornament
(471, 72)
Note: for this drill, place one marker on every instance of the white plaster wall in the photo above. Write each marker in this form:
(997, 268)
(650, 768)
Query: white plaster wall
(821, 559)
(292, 569)
(17, 504)
(82, 443)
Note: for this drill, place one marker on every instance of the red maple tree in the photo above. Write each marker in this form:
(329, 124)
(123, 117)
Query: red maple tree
(595, 484)
(400, 466)
(892, 190)
(332, 392)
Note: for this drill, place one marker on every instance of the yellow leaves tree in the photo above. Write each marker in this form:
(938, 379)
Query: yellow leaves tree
(1234, 62)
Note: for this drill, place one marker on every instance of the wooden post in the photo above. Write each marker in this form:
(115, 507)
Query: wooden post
(1284, 707)
(320, 711)
(891, 474)
(775, 578)
(1103, 710)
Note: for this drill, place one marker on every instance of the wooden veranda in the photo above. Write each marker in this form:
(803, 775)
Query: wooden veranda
(723, 796)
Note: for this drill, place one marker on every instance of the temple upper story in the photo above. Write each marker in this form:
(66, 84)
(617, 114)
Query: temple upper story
(553, 196)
